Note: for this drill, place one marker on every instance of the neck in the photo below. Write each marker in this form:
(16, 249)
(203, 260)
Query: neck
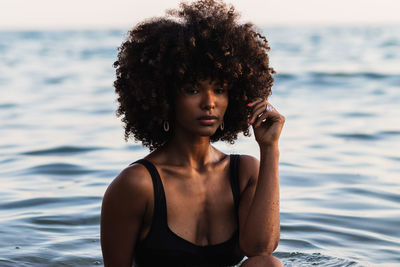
(189, 150)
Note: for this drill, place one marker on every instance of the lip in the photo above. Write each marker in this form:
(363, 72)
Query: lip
(207, 120)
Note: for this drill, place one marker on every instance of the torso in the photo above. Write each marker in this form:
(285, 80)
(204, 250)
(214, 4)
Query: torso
(200, 205)
(192, 220)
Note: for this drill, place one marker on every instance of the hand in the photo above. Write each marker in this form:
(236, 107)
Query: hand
(267, 122)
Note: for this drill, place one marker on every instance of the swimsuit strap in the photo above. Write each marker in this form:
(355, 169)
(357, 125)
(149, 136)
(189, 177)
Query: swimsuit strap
(159, 213)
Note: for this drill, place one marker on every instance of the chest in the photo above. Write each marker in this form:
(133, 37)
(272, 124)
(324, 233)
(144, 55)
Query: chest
(199, 205)
(197, 190)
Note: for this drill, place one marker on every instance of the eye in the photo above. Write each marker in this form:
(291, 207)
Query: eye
(191, 91)
(220, 90)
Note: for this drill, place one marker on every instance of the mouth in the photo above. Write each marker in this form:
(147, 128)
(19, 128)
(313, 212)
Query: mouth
(208, 120)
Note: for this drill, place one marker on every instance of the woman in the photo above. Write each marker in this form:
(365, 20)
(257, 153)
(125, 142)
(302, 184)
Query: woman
(194, 77)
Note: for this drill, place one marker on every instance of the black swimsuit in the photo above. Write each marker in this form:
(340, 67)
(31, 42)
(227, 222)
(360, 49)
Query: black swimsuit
(162, 247)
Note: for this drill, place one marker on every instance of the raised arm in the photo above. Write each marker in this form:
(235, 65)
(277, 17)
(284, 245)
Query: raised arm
(122, 212)
(259, 206)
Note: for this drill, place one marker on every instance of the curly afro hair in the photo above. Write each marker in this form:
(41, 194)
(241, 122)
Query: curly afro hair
(200, 40)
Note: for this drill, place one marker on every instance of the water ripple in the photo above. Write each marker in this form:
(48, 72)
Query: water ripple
(297, 259)
(58, 169)
(368, 75)
(376, 194)
(358, 114)
(297, 243)
(8, 105)
(390, 132)
(357, 136)
(34, 202)
(66, 220)
(61, 150)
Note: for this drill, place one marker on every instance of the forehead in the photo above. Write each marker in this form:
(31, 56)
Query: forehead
(210, 83)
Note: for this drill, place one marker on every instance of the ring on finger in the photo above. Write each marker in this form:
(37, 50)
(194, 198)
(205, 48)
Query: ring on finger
(269, 108)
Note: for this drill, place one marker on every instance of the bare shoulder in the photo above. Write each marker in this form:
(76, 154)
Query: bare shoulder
(124, 206)
(248, 171)
(133, 183)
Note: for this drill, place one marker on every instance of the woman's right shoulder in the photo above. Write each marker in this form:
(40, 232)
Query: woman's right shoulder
(134, 181)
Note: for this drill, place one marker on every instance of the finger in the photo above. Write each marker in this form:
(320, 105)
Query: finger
(255, 102)
(256, 115)
(261, 109)
(257, 111)
(268, 107)
(267, 117)
(263, 118)
(263, 112)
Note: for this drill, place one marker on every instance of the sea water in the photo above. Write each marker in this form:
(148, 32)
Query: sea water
(61, 144)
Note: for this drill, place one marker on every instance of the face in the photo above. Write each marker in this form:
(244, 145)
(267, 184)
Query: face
(200, 108)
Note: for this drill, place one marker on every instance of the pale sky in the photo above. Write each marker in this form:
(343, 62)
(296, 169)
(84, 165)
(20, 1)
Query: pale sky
(79, 14)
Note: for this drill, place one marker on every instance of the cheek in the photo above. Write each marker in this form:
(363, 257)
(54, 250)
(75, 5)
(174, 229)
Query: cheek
(224, 103)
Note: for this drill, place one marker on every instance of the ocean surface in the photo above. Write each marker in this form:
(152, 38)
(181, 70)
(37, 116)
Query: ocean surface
(61, 144)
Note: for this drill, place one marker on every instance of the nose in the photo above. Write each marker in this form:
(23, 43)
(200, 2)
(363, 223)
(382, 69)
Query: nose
(208, 100)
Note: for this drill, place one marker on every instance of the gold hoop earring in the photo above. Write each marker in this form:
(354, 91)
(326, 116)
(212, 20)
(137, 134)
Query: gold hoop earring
(166, 126)
(222, 126)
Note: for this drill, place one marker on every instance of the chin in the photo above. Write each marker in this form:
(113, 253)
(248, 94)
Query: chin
(208, 132)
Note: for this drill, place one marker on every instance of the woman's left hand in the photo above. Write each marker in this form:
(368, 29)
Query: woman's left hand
(267, 122)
